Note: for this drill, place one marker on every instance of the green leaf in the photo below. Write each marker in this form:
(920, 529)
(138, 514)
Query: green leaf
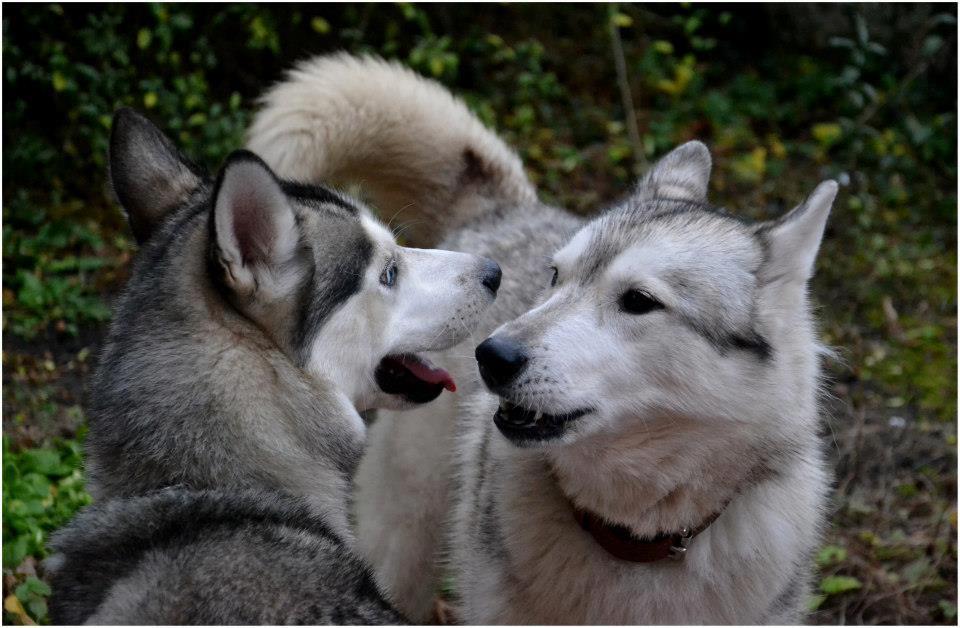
(918, 570)
(932, 44)
(31, 292)
(948, 609)
(827, 133)
(320, 25)
(32, 586)
(143, 38)
(621, 20)
(863, 35)
(14, 551)
(59, 81)
(815, 601)
(42, 461)
(831, 554)
(38, 608)
(833, 585)
(663, 47)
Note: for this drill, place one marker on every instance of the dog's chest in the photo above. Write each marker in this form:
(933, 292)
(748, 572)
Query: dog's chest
(527, 561)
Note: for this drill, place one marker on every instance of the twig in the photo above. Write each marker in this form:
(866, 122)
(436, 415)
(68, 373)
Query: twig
(639, 156)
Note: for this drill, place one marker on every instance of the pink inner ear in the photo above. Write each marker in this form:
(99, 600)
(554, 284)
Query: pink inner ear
(253, 229)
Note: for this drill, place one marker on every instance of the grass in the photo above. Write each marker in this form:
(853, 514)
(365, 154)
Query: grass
(865, 104)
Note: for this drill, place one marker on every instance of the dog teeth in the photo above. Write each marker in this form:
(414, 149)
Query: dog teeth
(519, 416)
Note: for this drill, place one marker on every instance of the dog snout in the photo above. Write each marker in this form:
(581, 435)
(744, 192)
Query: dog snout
(500, 359)
(490, 275)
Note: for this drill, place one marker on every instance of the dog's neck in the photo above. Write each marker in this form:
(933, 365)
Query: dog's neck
(270, 394)
(314, 416)
(657, 480)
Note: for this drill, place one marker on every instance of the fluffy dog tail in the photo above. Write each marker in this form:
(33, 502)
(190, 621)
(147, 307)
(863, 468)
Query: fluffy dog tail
(415, 149)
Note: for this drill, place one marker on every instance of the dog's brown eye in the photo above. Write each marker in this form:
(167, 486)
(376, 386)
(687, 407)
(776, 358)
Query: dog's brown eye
(556, 275)
(638, 302)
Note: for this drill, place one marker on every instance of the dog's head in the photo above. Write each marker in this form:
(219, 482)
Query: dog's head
(310, 267)
(663, 307)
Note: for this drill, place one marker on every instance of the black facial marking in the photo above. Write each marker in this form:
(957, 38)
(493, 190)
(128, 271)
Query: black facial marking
(313, 195)
(752, 342)
(336, 264)
(723, 342)
(332, 281)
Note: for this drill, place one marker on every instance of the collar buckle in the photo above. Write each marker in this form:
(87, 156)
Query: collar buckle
(678, 550)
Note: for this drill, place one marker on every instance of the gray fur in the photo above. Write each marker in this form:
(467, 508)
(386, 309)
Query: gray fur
(149, 175)
(190, 390)
(241, 353)
(209, 557)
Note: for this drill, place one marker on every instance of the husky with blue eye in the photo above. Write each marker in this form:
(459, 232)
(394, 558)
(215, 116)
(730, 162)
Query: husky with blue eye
(261, 317)
(637, 441)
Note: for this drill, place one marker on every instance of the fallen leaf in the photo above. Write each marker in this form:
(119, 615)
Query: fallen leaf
(13, 606)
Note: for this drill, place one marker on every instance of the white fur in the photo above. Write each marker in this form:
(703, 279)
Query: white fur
(327, 122)
(677, 431)
(679, 428)
(436, 302)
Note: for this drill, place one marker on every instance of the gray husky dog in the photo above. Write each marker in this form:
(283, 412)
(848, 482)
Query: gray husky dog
(260, 318)
(643, 447)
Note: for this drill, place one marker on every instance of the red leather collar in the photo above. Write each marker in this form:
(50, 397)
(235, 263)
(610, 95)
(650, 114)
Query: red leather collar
(621, 543)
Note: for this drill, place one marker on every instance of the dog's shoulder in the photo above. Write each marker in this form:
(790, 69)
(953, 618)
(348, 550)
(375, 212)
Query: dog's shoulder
(111, 541)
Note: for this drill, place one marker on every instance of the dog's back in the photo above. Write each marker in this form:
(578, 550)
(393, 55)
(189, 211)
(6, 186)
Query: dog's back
(209, 557)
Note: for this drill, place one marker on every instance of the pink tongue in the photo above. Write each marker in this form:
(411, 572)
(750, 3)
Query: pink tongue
(427, 372)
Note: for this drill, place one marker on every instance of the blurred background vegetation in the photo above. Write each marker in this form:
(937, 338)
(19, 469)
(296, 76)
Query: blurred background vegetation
(785, 95)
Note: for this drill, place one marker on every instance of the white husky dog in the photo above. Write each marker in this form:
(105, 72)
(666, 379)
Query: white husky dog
(645, 449)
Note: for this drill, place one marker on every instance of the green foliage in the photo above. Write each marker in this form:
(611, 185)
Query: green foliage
(32, 594)
(48, 270)
(42, 488)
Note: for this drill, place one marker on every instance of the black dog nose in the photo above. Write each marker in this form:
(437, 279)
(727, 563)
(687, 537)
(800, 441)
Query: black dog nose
(490, 275)
(500, 359)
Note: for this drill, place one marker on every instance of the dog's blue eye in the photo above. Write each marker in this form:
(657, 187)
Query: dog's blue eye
(389, 275)
(638, 302)
(556, 275)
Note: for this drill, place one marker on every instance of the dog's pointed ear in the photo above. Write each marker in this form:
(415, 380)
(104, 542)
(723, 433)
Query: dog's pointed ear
(148, 174)
(255, 230)
(794, 239)
(683, 174)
